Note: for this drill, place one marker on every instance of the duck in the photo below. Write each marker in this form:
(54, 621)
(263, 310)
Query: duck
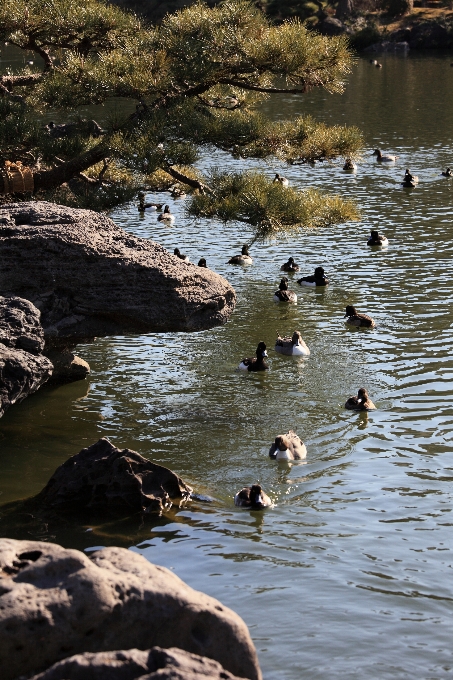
(377, 239)
(349, 166)
(288, 447)
(283, 294)
(447, 173)
(318, 279)
(378, 64)
(373, 62)
(256, 363)
(202, 262)
(290, 266)
(278, 179)
(361, 402)
(409, 177)
(182, 257)
(292, 346)
(166, 216)
(358, 320)
(177, 192)
(384, 158)
(252, 497)
(243, 258)
(147, 207)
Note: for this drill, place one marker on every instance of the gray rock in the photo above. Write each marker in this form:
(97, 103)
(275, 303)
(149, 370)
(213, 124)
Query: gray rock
(102, 478)
(388, 46)
(55, 603)
(20, 325)
(133, 664)
(67, 367)
(22, 368)
(333, 26)
(90, 278)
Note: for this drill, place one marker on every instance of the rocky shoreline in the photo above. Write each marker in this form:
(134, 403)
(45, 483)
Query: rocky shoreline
(70, 275)
(57, 603)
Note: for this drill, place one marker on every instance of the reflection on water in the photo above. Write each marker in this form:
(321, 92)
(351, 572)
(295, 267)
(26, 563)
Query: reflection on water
(349, 576)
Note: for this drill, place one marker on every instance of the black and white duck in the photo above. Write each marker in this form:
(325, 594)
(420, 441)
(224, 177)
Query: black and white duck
(166, 216)
(147, 207)
(283, 294)
(292, 346)
(377, 239)
(447, 173)
(253, 498)
(288, 447)
(243, 258)
(278, 179)
(358, 320)
(290, 266)
(318, 279)
(257, 362)
(361, 402)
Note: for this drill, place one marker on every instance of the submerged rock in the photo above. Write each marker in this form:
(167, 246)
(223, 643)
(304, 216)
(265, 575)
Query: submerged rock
(134, 664)
(23, 369)
(104, 479)
(55, 603)
(91, 278)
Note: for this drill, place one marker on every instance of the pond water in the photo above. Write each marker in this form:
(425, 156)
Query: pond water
(350, 574)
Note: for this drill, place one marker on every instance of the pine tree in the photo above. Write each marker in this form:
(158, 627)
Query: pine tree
(193, 83)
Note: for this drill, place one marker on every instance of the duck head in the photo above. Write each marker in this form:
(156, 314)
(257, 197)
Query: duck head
(290, 261)
(281, 442)
(377, 152)
(256, 497)
(261, 351)
(297, 337)
(319, 272)
(362, 394)
(374, 234)
(350, 311)
(202, 262)
(245, 250)
(167, 209)
(283, 284)
(177, 252)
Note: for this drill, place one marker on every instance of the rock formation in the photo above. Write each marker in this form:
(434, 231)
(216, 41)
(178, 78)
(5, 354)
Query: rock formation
(89, 277)
(103, 479)
(23, 369)
(55, 603)
(134, 664)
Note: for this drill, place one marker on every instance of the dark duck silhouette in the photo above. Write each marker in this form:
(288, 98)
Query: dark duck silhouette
(283, 294)
(318, 279)
(290, 266)
(447, 173)
(147, 207)
(358, 320)
(202, 262)
(252, 497)
(182, 257)
(409, 180)
(243, 258)
(257, 362)
(377, 239)
(361, 402)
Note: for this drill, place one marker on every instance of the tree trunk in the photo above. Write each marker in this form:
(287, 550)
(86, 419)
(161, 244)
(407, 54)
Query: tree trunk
(345, 9)
(51, 179)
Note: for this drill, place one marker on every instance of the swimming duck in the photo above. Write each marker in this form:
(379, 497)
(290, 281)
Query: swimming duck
(278, 179)
(373, 62)
(290, 266)
(177, 192)
(283, 294)
(384, 158)
(409, 177)
(378, 64)
(166, 216)
(256, 363)
(147, 207)
(318, 279)
(361, 402)
(288, 447)
(349, 166)
(202, 262)
(243, 258)
(182, 257)
(252, 497)
(377, 239)
(358, 320)
(447, 173)
(293, 346)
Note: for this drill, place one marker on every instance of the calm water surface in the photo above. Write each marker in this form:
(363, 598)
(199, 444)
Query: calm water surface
(350, 574)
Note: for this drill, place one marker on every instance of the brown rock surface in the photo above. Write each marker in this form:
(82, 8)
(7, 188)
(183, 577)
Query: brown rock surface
(55, 603)
(103, 478)
(89, 277)
(133, 664)
(22, 368)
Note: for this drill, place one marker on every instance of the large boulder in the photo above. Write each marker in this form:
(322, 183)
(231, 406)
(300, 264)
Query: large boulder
(430, 35)
(134, 664)
(23, 369)
(55, 603)
(102, 479)
(91, 278)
